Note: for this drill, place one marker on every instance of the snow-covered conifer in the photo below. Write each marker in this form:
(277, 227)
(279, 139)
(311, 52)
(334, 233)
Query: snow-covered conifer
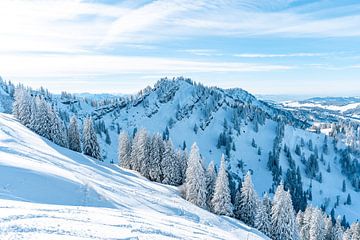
(170, 166)
(246, 209)
(353, 233)
(328, 227)
(74, 135)
(283, 216)
(195, 179)
(32, 124)
(317, 225)
(124, 150)
(156, 151)
(183, 164)
(337, 230)
(57, 130)
(43, 118)
(221, 201)
(139, 150)
(22, 106)
(90, 144)
(263, 216)
(210, 182)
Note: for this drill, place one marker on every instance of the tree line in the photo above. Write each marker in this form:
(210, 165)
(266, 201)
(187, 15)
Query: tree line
(210, 190)
(156, 158)
(39, 115)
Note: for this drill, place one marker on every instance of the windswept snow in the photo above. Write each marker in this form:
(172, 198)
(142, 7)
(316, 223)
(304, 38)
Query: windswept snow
(48, 192)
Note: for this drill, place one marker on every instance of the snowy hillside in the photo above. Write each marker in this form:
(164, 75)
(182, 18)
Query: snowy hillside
(189, 112)
(233, 122)
(330, 108)
(49, 192)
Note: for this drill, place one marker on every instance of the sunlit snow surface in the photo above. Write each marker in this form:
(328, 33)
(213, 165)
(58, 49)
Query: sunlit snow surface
(48, 192)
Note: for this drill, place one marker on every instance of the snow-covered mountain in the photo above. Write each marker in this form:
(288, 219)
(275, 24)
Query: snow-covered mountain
(233, 122)
(48, 192)
(326, 108)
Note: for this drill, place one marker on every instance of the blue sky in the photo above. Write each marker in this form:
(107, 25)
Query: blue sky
(266, 47)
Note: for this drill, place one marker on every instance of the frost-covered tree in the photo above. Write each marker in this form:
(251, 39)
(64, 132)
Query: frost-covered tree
(43, 118)
(195, 179)
(317, 225)
(328, 227)
(246, 209)
(22, 106)
(304, 226)
(283, 216)
(139, 151)
(170, 166)
(91, 146)
(263, 216)
(353, 233)
(183, 158)
(33, 124)
(124, 154)
(211, 174)
(57, 128)
(156, 151)
(74, 135)
(221, 201)
(337, 230)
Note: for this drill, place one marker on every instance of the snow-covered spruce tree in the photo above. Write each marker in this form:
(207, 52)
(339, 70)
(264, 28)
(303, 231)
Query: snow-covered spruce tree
(22, 106)
(25, 108)
(195, 191)
(328, 227)
(18, 94)
(283, 224)
(139, 150)
(337, 230)
(221, 201)
(183, 158)
(74, 135)
(57, 129)
(317, 225)
(300, 221)
(43, 118)
(170, 166)
(263, 216)
(34, 110)
(353, 233)
(124, 153)
(90, 144)
(156, 151)
(304, 227)
(246, 209)
(211, 174)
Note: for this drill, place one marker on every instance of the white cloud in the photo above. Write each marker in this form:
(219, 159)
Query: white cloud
(202, 52)
(175, 20)
(54, 26)
(261, 55)
(77, 26)
(56, 65)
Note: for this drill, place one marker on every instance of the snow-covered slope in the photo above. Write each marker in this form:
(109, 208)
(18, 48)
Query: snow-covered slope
(329, 108)
(181, 106)
(48, 192)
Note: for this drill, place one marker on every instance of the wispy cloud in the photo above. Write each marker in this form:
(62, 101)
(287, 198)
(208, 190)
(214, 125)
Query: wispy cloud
(163, 19)
(202, 52)
(261, 55)
(63, 65)
(244, 38)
